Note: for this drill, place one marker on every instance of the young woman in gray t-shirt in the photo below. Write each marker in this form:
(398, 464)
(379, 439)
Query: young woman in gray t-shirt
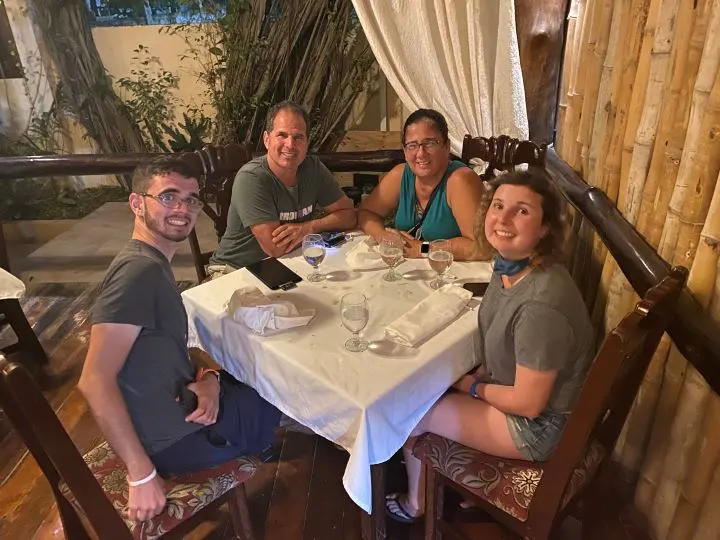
(536, 346)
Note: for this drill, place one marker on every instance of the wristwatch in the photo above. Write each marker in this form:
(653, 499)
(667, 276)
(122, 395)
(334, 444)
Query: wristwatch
(425, 249)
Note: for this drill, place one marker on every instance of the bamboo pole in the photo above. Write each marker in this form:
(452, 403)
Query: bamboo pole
(696, 141)
(707, 526)
(672, 375)
(702, 457)
(690, 33)
(683, 436)
(696, 486)
(607, 96)
(640, 419)
(567, 68)
(686, 209)
(591, 71)
(668, 142)
(632, 74)
(627, 74)
(632, 442)
(579, 22)
(604, 120)
(640, 134)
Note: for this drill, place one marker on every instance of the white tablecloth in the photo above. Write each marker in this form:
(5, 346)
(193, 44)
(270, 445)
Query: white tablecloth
(10, 286)
(367, 402)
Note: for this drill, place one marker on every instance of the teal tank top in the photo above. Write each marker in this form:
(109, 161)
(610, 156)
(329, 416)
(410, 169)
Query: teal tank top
(439, 222)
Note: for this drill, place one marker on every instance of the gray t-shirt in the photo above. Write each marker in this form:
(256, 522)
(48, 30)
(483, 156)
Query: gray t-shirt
(258, 196)
(139, 289)
(540, 323)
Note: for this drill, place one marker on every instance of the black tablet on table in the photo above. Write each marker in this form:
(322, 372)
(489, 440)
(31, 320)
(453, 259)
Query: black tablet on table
(274, 274)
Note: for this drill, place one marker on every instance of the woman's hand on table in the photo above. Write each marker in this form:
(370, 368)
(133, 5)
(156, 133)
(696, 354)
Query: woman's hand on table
(411, 246)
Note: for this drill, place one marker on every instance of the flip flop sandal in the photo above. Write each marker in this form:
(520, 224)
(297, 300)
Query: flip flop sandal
(396, 512)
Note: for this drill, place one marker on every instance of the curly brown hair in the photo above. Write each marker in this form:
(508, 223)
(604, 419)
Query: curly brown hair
(550, 247)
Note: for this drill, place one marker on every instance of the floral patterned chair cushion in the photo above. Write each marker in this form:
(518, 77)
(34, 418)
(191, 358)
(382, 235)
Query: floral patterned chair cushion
(186, 494)
(507, 484)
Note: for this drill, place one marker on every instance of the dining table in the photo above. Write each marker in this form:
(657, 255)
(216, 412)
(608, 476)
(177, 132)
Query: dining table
(367, 402)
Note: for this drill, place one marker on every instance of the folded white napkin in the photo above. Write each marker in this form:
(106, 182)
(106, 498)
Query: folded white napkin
(364, 256)
(429, 316)
(10, 286)
(262, 315)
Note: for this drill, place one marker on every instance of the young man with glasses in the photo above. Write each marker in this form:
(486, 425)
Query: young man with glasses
(161, 413)
(275, 196)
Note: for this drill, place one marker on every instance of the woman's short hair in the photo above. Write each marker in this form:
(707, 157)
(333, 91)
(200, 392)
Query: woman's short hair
(428, 115)
(550, 247)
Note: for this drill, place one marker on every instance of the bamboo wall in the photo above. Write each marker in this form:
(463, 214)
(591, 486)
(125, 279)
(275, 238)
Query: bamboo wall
(639, 117)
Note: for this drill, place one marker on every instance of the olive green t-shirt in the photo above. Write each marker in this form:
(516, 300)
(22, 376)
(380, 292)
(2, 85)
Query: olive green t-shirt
(540, 323)
(258, 196)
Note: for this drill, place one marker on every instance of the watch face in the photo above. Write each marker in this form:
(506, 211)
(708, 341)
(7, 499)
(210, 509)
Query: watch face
(425, 248)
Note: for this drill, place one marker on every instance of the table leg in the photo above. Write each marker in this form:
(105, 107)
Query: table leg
(373, 525)
(4, 259)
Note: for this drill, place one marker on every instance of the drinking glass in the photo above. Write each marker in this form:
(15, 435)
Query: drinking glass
(354, 313)
(313, 250)
(391, 251)
(440, 258)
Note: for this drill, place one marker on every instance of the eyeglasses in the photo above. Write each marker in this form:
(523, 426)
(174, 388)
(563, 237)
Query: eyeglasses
(429, 145)
(173, 201)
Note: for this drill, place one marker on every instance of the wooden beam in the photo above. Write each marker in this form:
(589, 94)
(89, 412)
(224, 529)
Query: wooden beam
(541, 33)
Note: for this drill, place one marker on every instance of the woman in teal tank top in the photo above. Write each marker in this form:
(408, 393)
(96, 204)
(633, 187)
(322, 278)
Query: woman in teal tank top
(433, 197)
(439, 223)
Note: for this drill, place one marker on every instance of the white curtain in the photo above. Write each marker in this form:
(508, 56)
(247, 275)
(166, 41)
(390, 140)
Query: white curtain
(459, 57)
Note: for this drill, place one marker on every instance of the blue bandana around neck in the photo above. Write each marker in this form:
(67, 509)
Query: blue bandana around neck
(506, 267)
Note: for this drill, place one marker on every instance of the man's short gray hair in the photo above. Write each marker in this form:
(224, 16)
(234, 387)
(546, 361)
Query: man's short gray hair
(287, 105)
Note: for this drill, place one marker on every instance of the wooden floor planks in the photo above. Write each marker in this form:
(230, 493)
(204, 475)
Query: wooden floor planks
(298, 497)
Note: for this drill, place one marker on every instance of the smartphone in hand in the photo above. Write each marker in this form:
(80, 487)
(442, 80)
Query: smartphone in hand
(477, 288)
(188, 399)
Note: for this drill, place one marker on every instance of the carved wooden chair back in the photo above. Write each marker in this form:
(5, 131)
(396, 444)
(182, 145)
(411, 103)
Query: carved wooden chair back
(502, 153)
(589, 435)
(217, 166)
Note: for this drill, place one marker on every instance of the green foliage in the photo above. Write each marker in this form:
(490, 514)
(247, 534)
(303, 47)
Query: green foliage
(191, 134)
(38, 198)
(149, 96)
(263, 51)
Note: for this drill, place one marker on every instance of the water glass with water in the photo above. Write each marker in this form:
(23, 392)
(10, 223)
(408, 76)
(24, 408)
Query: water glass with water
(391, 251)
(354, 313)
(313, 249)
(440, 258)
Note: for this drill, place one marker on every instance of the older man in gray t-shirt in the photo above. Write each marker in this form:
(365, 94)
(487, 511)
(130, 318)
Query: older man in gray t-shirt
(274, 196)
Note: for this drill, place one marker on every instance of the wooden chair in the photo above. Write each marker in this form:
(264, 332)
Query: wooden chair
(531, 499)
(91, 491)
(12, 315)
(219, 166)
(502, 153)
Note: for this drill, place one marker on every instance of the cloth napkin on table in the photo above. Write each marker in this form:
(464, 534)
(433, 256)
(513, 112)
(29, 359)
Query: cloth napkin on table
(10, 286)
(429, 316)
(364, 256)
(263, 315)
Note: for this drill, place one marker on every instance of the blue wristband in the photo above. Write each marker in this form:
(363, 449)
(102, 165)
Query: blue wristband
(473, 388)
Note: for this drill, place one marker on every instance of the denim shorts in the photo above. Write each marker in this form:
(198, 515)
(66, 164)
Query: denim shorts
(536, 438)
